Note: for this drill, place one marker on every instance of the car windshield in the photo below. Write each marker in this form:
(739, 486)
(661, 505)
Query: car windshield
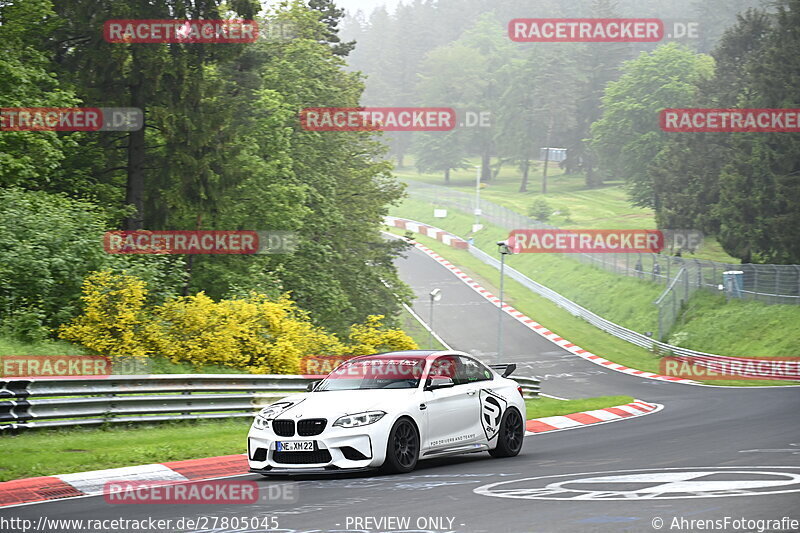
(377, 373)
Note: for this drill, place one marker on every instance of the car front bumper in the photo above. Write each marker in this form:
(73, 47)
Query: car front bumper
(335, 449)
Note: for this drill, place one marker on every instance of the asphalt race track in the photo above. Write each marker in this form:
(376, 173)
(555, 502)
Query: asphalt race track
(731, 455)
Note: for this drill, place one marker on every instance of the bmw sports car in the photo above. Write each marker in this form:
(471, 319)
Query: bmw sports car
(387, 412)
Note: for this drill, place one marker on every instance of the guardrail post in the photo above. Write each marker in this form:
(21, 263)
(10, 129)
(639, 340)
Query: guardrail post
(186, 393)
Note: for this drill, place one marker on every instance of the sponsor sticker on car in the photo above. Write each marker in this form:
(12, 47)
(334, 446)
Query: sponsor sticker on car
(492, 408)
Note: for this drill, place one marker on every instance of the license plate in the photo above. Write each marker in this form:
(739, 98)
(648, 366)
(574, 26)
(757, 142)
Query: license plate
(296, 446)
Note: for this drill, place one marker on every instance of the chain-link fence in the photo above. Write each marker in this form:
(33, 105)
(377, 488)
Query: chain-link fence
(672, 301)
(771, 284)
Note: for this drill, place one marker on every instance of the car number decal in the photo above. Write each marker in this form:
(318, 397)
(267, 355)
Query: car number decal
(492, 409)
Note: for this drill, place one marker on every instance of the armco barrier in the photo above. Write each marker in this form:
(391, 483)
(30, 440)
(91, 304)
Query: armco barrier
(639, 339)
(153, 398)
(37, 403)
(530, 386)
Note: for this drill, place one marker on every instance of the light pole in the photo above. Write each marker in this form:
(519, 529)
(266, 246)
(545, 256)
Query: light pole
(504, 250)
(477, 226)
(436, 295)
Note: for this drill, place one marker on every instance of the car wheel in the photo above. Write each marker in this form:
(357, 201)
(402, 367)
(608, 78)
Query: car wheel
(402, 450)
(512, 431)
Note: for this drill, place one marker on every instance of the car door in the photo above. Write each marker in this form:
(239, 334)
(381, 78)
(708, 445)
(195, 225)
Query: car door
(476, 377)
(452, 413)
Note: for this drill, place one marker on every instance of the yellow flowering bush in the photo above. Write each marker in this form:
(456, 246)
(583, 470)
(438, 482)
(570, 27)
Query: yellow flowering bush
(256, 334)
(371, 337)
(114, 316)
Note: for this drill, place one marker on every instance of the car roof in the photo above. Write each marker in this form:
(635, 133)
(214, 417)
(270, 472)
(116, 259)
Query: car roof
(410, 354)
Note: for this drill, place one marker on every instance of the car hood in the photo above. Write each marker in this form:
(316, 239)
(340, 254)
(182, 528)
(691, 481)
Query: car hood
(330, 404)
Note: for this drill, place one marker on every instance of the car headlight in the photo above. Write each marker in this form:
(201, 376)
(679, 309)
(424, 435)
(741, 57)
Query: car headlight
(261, 421)
(359, 419)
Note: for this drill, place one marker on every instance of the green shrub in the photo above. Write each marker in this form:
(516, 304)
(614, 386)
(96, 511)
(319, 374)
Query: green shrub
(540, 210)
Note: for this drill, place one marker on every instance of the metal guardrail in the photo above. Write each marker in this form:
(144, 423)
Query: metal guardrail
(119, 399)
(530, 386)
(40, 403)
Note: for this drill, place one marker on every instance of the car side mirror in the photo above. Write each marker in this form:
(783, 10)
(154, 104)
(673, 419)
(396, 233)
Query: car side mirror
(312, 386)
(438, 382)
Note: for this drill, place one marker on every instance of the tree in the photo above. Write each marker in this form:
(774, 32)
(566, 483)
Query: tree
(686, 173)
(171, 83)
(31, 159)
(451, 76)
(627, 138)
(597, 65)
(331, 15)
(759, 207)
(537, 107)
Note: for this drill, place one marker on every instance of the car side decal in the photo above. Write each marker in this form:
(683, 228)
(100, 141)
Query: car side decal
(492, 408)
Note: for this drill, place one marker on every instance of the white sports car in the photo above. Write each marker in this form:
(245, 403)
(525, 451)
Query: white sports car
(388, 411)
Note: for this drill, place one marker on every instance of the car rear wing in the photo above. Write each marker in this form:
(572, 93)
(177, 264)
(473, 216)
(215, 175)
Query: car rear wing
(505, 369)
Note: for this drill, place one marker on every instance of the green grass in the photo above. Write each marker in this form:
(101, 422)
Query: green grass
(738, 327)
(48, 452)
(414, 329)
(541, 407)
(606, 207)
(48, 347)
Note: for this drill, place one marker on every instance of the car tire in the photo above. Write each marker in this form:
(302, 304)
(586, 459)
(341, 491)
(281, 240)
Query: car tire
(402, 448)
(510, 436)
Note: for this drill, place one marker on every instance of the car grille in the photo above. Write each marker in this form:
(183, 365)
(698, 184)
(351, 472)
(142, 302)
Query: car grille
(302, 458)
(311, 426)
(283, 428)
